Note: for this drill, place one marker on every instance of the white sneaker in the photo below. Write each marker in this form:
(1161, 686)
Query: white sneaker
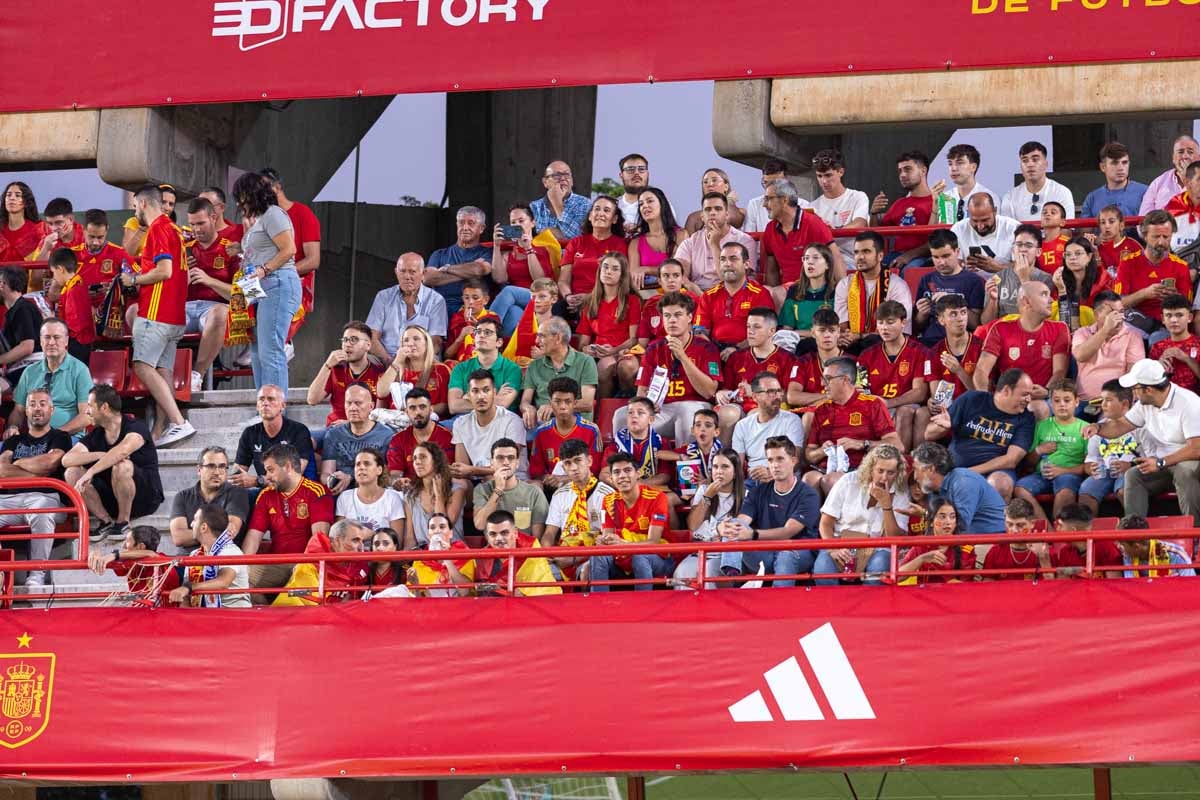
(175, 433)
(289, 351)
(243, 358)
(197, 381)
(35, 580)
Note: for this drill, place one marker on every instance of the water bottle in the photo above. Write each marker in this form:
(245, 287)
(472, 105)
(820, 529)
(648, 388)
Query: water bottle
(1042, 466)
(1068, 312)
(947, 209)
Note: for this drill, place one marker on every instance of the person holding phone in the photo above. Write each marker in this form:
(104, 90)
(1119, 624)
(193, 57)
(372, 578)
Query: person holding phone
(985, 238)
(518, 259)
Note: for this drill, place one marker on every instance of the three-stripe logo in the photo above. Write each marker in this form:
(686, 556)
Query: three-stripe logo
(795, 697)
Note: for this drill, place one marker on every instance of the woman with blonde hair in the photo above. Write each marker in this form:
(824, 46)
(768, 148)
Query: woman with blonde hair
(865, 503)
(415, 364)
(608, 323)
(716, 180)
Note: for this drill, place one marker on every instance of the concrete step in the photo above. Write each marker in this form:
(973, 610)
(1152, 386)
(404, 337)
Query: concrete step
(242, 397)
(239, 416)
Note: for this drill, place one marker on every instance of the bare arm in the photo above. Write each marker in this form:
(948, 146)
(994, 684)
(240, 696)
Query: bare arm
(917, 394)
(983, 371)
(23, 349)
(1009, 460)
(310, 258)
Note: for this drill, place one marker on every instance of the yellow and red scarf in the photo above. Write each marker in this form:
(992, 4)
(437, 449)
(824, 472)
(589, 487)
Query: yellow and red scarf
(861, 304)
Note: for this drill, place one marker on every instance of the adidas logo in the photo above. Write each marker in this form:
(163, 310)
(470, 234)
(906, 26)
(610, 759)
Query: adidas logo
(794, 696)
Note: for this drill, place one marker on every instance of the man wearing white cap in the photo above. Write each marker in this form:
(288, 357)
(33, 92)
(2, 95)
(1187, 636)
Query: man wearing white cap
(1171, 417)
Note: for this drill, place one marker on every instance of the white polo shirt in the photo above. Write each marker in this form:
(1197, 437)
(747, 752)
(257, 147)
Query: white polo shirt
(1171, 425)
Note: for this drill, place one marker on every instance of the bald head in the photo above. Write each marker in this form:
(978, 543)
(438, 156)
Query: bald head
(982, 212)
(981, 201)
(1033, 300)
(410, 268)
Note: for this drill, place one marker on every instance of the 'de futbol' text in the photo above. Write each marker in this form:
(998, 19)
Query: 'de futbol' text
(1022, 6)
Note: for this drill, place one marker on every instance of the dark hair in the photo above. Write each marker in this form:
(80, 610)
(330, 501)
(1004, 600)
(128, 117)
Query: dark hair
(1032, 230)
(201, 205)
(618, 223)
(481, 375)
(742, 250)
(874, 238)
(283, 454)
(802, 286)
(521, 207)
(936, 504)
(105, 395)
(1009, 378)
(95, 216)
(63, 257)
(1134, 522)
(960, 150)
(384, 479)
(715, 196)
(767, 314)
(504, 441)
(1061, 208)
(1172, 301)
(1109, 296)
(1113, 151)
(398, 574)
(217, 191)
(563, 385)
(15, 278)
(1019, 508)
(1122, 393)
(830, 158)
(632, 157)
(573, 448)
(936, 456)
(914, 155)
(781, 443)
(825, 318)
(943, 238)
(1032, 147)
(1190, 171)
(670, 225)
(440, 472)
(30, 210)
(1091, 272)
(1063, 384)
(499, 517)
(147, 536)
(706, 412)
(477, 283)
(215, 517)
(150, 193)
(891, 309)
(495, 323)
(739, 484)
(773, 166)
(678, 300)
(418, 393)
(58, 207)
(253, 194)
(271, 174)
(358, 326)
(618, 457)
(756, 381)
(1158, 217)
(948, 301)
(1074, 512)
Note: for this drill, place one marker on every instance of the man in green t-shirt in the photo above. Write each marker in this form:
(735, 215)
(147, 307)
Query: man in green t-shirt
(1057, 454)
(487, 356)
(524, 500)
(558, 360)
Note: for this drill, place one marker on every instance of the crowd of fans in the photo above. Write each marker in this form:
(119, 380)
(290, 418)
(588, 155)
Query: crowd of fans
(772, 382)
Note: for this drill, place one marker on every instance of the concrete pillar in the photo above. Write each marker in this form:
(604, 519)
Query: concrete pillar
(50, 140)
(871, 156)
(1077, 148)
(498, 144)
(186, 146)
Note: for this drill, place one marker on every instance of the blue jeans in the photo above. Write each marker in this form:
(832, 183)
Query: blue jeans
(879, 562)
(509, 305)
(646, 565)
(273, 317)
(1100, 488)
(785, 562)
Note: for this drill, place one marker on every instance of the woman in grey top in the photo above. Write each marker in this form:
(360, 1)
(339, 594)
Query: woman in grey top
(268, 253)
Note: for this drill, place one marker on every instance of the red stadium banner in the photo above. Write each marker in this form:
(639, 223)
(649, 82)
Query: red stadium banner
(203, 51)
(1062, 672)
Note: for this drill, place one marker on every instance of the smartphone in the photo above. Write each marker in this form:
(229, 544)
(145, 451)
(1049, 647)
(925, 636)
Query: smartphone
(512, 232)
(975, 251)
(1169, 283)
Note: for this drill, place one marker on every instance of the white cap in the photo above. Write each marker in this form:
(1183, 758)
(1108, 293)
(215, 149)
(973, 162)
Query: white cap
(1146, 372)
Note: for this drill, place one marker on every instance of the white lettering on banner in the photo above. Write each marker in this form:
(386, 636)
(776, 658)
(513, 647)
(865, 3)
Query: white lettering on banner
(274, 19)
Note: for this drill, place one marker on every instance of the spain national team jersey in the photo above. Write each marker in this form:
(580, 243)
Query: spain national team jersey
(1033, 351)
(1104, 554)
(216, 261)
(609, 326)
(724, 314)
(75, 309)
(865, 416)
(343, 376)
(702, 352)
(400, 450)
(1051, 257)
(163, 301)
(633, 522)
(891, 376)
(1135, 274)
(969, 358)
(645, 458)
(651, 326)
(743, 365)
(807, 372)
(1118, 250)
(1002, 556)
(102, 267)
(289, 517)
(547, 441)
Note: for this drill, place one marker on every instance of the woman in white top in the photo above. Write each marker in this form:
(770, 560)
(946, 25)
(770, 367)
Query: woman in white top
(371, 502)
(864, 503)
(714, 502)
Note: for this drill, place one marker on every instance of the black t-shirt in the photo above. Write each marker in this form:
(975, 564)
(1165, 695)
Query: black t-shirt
(23, 445)
(22, 322)
(255, 442)
(145, 458)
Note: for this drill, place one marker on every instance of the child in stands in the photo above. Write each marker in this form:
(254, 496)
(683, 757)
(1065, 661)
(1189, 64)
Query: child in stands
(475, 296)
(1057, 453)
(1108, 460)
(1180, 352)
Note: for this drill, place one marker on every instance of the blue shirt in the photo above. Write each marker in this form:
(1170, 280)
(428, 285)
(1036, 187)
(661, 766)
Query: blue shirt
(979, 506)
(389, 315)
(452, 292)
(769, 509)
(966, 283)
(983, 432)
(570, 224)
(1129, 199)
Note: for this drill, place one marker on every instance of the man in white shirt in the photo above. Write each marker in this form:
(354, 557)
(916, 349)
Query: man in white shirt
(1169, 415)
(1024, 201)
(861, 287)
(635, 176)
(474, 433)
(750, 435)
(963, 163)
(700, 253)
(757, 213)
(838, 206)
(985, 239)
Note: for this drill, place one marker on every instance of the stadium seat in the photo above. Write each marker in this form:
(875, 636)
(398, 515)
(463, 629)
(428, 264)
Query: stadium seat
(110, 367)
(1105, 523)
(912, 276)
(182, 378)
(604, 416)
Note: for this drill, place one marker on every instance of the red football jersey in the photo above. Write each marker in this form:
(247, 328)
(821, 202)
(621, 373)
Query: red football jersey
(1181, 373)
(1051, 257)
(807, 372)
(163, 301)
(1104, 554)
(647, 462)
(965, 557)
(583, 253)
(458, 321)
(1118, 250)
(400, 450)
(518, 268)
(702, 352)
(547, 441)
(25, 239)
(744, 365)
(232, 231)
(217, 262)
(100, 268)
(1135, 274)
(651, 326)
(438, 384)
(865, 416)
(1002, 556)
(1033, 352)
(341, 377)
(888, 376)
(289, 518)
(609, 327)
(725, 314)
(75, 309)
(787, 247)
(969, 359)
(633, 522)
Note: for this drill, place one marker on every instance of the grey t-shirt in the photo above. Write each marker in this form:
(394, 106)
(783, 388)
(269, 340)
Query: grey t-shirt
(342, 445)
(258, 244)
(1010, 284)
(526, 502)
(233, 499)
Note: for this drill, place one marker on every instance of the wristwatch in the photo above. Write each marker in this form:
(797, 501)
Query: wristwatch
(1161, 463)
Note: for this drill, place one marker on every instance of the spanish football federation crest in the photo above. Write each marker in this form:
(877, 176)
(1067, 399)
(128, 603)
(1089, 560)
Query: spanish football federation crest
(26, 684)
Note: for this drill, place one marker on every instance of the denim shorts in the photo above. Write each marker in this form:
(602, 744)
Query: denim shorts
(1036, 484)
(197, 314)
(1101, 488)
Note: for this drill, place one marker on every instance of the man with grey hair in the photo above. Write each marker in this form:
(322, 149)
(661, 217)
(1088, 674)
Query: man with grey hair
(213, 487)
(560, 211)
(466, 258)
(558, 360)
(979, 506)
(788, 234)
(1184, 150)
(409, 302)
(341, 578)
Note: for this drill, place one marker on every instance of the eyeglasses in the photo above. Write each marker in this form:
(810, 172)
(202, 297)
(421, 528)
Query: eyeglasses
(776, 390)
(825, 162)
(633, 170)
(832, 378)
(1025, 245)
(558, 175)
(353, 340)
(1034, 208)
(221, 467)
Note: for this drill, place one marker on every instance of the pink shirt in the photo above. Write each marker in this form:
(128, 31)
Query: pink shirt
(1160, 192)
(694, 249)
(1115, 358)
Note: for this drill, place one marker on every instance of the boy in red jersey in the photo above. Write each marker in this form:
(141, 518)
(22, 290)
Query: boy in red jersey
(460, 343)
(1018, 521)
(896, 369)
(735, 399)
(1113, 244)
(161, 279)
(634, 513)
(566, 425)
(670, 280)
(342, 367)
(952, 360)
(1180, 351)
(804, 385)
(1070, 558)
(291, 508)
(210, 280)
(1054, 240)
(74, 306)
(847, 419)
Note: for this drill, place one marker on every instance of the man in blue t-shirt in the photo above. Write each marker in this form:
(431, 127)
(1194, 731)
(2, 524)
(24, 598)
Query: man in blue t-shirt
(783, 508)
(977, 503)
(466, 258)
(990, 433)
(1117, 190)
(948, 277)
